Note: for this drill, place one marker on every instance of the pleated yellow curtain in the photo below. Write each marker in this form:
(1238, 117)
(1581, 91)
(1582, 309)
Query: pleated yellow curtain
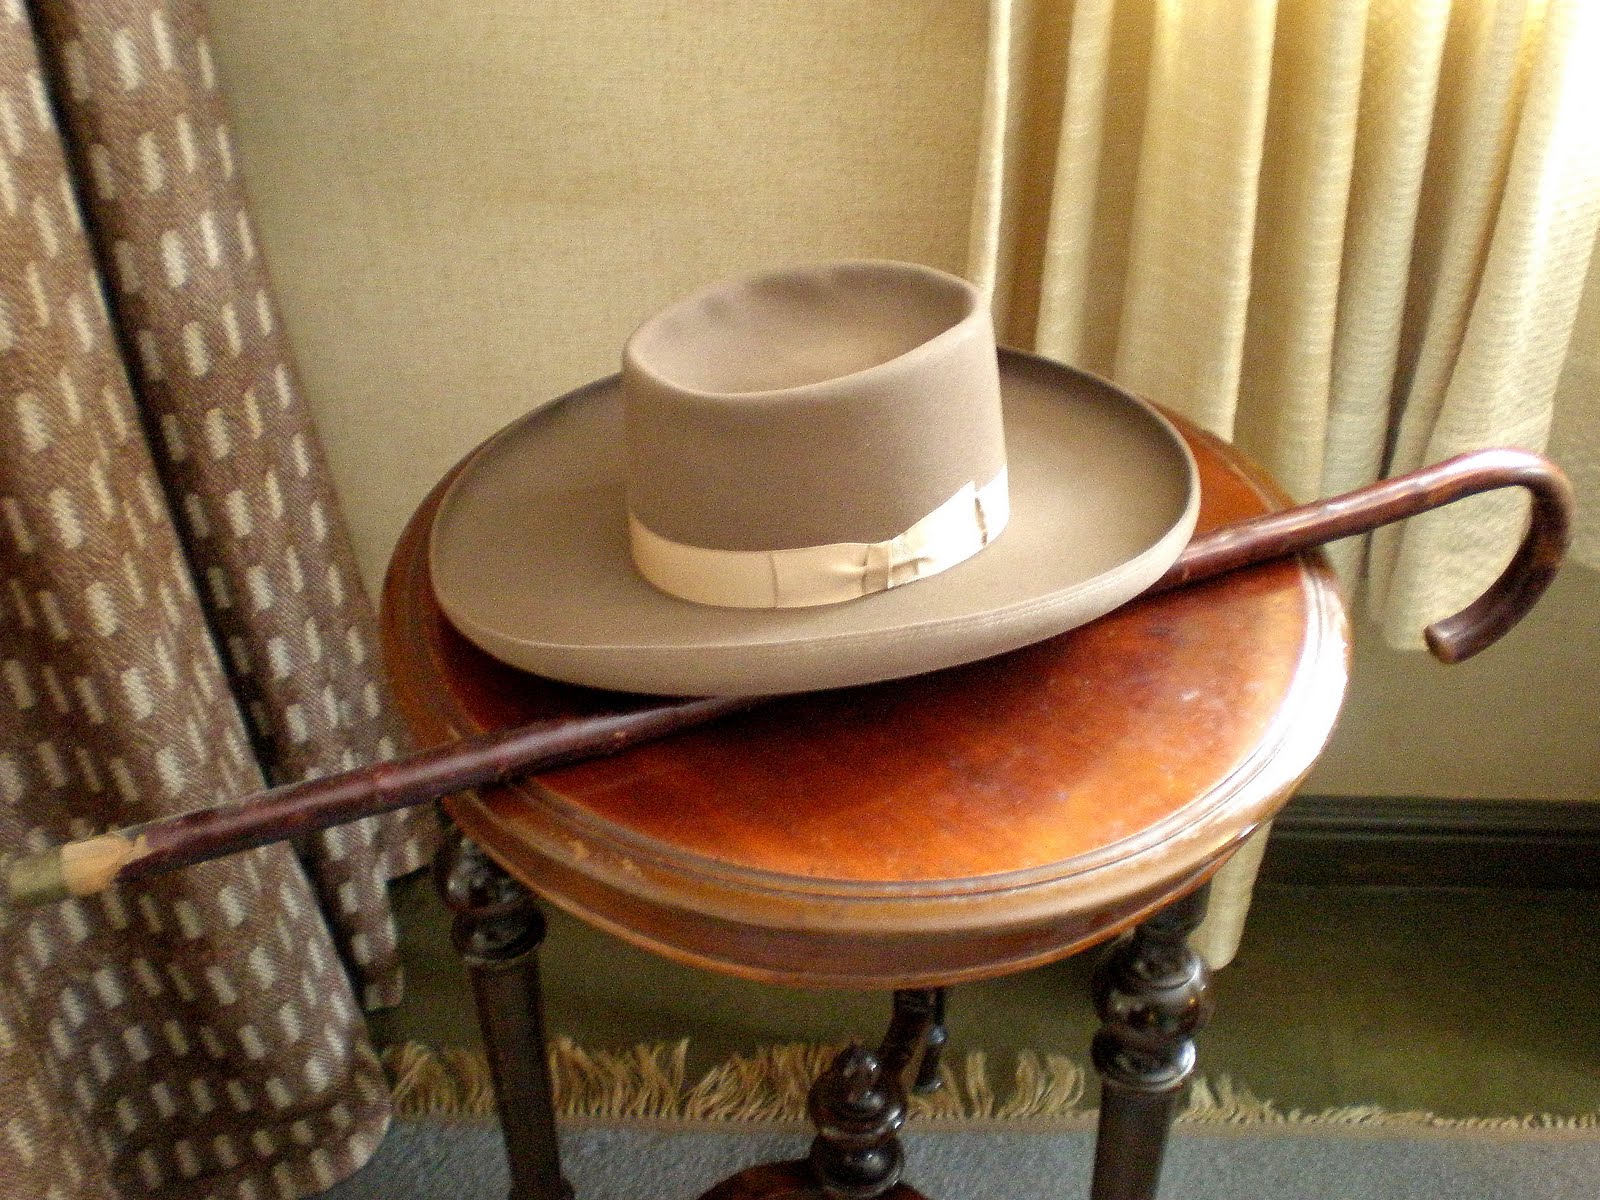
(1575, 440)
(1350, 235)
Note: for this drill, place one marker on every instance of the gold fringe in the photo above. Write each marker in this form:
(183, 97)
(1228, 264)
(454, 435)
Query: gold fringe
(650, 1082)
(427, 1082)
(770, 1085)
(1220, 1102)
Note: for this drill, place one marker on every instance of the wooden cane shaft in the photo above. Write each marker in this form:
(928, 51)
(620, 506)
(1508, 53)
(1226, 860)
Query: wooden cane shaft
(82, 868)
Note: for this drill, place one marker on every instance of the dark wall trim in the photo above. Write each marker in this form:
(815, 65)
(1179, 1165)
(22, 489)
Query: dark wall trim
(1374, 841)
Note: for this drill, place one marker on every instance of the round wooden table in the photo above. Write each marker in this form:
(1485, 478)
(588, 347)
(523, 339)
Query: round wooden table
(905, 836)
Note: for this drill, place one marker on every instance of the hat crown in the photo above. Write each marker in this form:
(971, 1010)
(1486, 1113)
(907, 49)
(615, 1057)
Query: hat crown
(837, 403)
(795, 329)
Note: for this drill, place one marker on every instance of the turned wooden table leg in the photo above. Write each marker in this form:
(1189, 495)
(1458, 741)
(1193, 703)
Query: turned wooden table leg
(1152, 994)
(933, 1043)
(498, 929)
(858, 1105)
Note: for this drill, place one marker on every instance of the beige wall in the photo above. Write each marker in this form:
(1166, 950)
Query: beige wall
(468, 206)
(1520, 721)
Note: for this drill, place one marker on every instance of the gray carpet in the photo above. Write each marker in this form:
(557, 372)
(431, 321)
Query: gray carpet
(428, 1160)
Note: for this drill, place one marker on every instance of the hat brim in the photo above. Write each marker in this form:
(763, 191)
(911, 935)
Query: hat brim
(529, 553)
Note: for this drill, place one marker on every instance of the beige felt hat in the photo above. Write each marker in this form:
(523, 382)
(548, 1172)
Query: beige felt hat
(812, 478)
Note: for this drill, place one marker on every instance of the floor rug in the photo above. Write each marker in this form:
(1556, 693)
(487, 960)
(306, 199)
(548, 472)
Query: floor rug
(653, 1082)
(462, 1160)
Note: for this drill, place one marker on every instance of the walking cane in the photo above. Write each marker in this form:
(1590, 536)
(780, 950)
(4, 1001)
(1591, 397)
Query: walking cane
(94, 864)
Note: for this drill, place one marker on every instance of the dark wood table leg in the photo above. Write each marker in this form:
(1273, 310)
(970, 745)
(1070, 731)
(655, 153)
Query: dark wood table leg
(928, 1078)
(858, 1105)
(498, 929)
(1153, 994)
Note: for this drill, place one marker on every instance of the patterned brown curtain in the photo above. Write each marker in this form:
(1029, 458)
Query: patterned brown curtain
(180, 621)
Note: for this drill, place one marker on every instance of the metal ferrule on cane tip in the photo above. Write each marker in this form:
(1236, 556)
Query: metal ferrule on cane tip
(37, 878)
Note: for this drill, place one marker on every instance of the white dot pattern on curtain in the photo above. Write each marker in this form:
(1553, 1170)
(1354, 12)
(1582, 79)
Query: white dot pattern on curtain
(197, 1035)
(233, 440)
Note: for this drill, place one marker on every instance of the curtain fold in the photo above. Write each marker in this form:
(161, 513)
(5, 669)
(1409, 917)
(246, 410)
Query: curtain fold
(1087, 226)
(1184, 306)
(1400, 68)
(181, 622)
(1308, 151)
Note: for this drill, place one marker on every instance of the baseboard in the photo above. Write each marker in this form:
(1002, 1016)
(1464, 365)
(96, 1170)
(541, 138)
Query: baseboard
(1422, 842)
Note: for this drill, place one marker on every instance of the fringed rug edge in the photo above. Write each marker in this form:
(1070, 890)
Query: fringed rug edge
(651, 1083)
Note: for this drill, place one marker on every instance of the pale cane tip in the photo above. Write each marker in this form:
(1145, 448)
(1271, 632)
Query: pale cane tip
(34, 879)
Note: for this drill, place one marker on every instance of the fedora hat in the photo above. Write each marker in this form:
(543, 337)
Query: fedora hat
(816, 477)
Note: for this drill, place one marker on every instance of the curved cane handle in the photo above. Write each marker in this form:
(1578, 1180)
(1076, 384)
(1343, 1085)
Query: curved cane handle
(1454, 638)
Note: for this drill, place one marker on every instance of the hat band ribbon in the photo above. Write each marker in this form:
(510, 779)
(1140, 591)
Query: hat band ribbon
(810, 575)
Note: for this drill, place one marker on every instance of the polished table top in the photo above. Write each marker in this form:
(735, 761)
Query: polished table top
(923, 831)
